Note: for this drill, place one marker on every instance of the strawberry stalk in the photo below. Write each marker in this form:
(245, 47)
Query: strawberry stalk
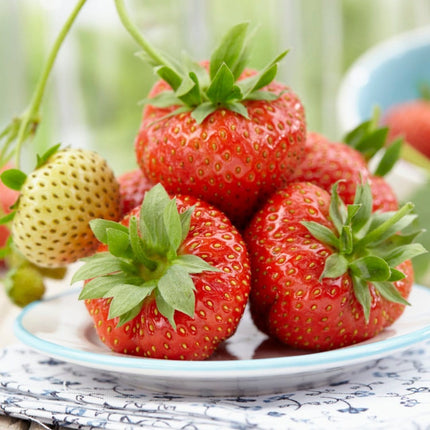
(137, 36)
(367, 245)
(22, 128)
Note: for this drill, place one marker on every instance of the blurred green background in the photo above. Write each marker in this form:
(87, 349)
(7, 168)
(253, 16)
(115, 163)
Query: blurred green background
(93, 95)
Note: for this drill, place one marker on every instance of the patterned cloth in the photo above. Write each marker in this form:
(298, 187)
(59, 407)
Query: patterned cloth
(393, 392)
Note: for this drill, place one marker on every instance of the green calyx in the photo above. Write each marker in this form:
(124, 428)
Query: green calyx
(368, 245)
(370, 139)
(143, 260)
(202, 91)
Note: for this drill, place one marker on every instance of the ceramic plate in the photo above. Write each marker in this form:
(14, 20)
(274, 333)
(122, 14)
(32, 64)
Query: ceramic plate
(248, 363)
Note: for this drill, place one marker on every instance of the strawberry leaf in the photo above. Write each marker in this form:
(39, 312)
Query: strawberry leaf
(137, 245)
(125, 297)
(202, 111)
(230, 51)
(7, 218)
(222, 88)
(363, 199)
(346, 241)
(193, 264)
(165, 309)
(371, 143)
(264, 77)
(322, 233)
(367, 138)
(189, 90)
(381, 231)
(370, 268)
(98, 287)
(162, 100)
(118, 243)
(403, 253)
(169, 75)
(396, 275)
(185, 221)
(100, 265)
(238, 108)
(390, 158)
(151, 224)
(13, 179)
(42, 159)
(336, 265)
(100, 226)
(173, 227)
(362, 293)
(177, 289)
(129, 315)
(337, 210)
(390, 292)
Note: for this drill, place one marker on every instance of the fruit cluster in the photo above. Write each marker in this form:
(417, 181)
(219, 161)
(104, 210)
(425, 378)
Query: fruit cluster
(234, 201)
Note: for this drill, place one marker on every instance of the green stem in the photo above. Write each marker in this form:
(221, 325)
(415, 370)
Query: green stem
(376, 234)
(29, 118)
(137, 36)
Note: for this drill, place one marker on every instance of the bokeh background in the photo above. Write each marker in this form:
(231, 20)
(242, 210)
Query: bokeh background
(93, 95)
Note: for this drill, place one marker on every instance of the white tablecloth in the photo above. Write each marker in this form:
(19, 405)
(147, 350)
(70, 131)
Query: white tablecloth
(392, 393)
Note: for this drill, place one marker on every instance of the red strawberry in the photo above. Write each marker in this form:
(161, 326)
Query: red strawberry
(412, 121)
(325, 162)
(326, 275)
(231, 139)
(174, 283)
(384, 197)
(132, 188)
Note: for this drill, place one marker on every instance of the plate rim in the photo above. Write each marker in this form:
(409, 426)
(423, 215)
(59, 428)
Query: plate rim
(247, 367)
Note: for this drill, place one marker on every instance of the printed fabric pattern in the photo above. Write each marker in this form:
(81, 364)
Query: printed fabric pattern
(392, 392)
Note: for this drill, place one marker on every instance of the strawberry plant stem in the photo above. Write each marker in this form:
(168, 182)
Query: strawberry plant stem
(29, 119)
(137, 36)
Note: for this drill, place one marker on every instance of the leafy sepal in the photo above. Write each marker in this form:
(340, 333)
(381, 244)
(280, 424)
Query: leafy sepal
(143, 261)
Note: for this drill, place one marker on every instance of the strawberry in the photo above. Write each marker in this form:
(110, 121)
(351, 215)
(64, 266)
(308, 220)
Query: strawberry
(171, 280)
(412, 121)
(132, 188)
(326, 275)
(221, 132)
(68, 188)
(325, 162)
(384, 197)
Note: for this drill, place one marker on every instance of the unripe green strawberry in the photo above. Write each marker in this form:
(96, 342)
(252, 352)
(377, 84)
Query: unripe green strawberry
(57, 201)
(24, 284)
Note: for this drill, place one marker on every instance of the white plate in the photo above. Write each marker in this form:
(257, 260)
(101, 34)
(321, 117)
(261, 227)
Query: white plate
(248, 363)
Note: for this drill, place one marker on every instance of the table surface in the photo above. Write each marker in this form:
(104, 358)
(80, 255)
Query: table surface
(8, 313)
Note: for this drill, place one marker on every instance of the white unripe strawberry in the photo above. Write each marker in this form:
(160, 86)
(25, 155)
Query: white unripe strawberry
(58, 199)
